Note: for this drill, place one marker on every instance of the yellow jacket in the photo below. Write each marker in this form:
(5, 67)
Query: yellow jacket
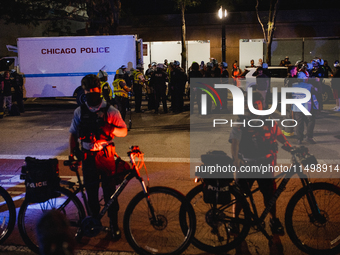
(118, 90)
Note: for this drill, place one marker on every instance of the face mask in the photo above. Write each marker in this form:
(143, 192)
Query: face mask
(93, 99)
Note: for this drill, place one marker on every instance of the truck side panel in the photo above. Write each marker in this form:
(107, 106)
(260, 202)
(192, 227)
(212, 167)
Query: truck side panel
(54, 66)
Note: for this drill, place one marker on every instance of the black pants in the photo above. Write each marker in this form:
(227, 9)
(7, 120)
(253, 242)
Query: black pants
(301, 119)
(137, 90)
(91, 182)
(1, 105)
(122, 103)
(161, 95)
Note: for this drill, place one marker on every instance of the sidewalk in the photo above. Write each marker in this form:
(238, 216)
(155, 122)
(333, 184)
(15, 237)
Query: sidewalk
(21, 250)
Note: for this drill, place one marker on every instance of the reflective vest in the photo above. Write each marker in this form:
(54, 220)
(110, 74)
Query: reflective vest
(137, 78)
(106, 90)
(118, 90)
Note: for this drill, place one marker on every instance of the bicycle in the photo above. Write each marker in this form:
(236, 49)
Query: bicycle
(311, 217)
(7, 215)
(152, 223)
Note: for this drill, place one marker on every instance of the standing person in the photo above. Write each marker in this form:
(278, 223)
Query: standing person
(150, 90)
(1, 97)
(257, 146)
(138, 84)
(126, 77)
(216, 70)
(291, 78)
(236, 71)
(121, 92)
(225, 73)
(18, 84)
(158, 83)
(7, 92)
(262, 83)
(336, 85)
(328, 69)
(95, 124)
(178, 81)
(287, 62)
(311, 106)
(252, 63)
(105, 86)
(195, 96)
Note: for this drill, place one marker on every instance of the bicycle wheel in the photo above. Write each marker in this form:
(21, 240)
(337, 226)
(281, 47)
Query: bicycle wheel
(311, 233)
(7, 215)
(30, 213)
(164, 235)
(213, 222)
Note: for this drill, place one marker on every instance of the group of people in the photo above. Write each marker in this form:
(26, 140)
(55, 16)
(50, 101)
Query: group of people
(305, 75)
(159, 82)
(8, 82)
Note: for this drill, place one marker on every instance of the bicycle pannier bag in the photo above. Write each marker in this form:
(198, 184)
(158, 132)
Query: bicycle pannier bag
(216, 191)
(42, 178)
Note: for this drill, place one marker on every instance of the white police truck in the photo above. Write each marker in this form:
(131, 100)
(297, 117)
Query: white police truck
(54, 66)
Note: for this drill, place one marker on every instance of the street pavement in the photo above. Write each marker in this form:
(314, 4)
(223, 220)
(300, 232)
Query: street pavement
(165, 140)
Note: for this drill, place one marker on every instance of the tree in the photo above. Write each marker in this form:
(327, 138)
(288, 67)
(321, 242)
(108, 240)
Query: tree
(101, 16)
(269, 29)
(267, 23)
(182, 5)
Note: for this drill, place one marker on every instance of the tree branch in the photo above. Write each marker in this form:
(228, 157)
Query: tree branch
(259, 19)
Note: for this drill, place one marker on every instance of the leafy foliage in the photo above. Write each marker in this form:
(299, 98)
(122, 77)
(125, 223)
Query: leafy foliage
(101, 16)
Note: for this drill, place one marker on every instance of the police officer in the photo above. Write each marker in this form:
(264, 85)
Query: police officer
(177, 85)
(258, 146)
(158, 83)
(312, 106)
(121, 91)
(95, 124)
(138, 84)
(105, 86)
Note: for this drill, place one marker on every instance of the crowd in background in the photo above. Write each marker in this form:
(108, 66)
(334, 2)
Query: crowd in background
(11, 94)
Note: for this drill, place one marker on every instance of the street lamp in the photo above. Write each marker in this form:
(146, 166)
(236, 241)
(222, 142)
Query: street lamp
(222, 14)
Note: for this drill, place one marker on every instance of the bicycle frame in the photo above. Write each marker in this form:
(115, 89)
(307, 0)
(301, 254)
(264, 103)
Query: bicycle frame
(257, 221)
(133, 173)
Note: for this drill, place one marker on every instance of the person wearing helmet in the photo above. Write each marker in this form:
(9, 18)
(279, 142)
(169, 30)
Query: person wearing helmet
(95, 123)
(149, 88)
(177, 87)
(254, 146)
(138, 84)
(105, 86)
(262, 84)
(336, 85)
(216, 71)
(312, 106)
(225, 73)
(195, 93)
(158, 83)
(121, 91)
(288, 130)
